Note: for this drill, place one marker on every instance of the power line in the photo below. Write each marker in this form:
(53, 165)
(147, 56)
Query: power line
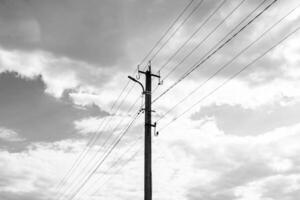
(214, 52)
(89, 145)
(206, 37)
(199, 43)
(119, 160)
(192, 35)
(227, 64)
(118, 170)
(104, 158)
(176, 30)
(122, 166)
(166, 32)
(96, 135)
(75, 163)
(103, 145)
(230, 78)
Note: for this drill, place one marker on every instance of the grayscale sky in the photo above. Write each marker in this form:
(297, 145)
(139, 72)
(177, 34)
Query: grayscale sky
(63, 64)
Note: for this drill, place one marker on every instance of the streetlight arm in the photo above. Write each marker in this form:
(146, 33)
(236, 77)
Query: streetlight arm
(133, 79)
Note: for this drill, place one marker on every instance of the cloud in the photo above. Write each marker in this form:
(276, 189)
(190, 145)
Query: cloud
(9, 135)
(198, 160)
(23, 196)
(273, 66)
(58, 74)
(251, 121)
(36, 116)
(233, 161)
(95, 32)
(33, 173)
(274, 187)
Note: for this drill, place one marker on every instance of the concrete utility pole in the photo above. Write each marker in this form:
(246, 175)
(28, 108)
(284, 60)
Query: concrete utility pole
(148, 124)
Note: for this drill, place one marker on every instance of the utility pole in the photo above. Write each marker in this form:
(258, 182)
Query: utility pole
(148, 125)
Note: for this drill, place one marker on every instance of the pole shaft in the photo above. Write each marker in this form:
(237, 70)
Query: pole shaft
(147, 164)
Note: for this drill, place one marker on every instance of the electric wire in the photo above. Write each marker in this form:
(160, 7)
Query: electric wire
(93, 139)
(205, 38)
(227, 64)
(117, 161)
(88, 147)
(229, 79)
(192, 35)
(109, 151)
(118, 170)
(201, 42)
(166, 32)
(177, 29)
(192, 69)
(75, 163)
(103, 145)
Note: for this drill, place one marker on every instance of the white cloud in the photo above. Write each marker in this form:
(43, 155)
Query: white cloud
(273, 187)
(38, 169)
(229, 160)
(9, 135)
(59, 74)
(188, 154)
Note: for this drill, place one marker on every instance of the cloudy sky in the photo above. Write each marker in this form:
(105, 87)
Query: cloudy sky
(223, 134)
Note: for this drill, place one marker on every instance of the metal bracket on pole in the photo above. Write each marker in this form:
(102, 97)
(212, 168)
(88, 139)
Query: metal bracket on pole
(156, 133)
(143, 109)
(160, 82)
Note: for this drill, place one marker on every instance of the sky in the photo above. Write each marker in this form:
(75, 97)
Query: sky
(228, 130)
